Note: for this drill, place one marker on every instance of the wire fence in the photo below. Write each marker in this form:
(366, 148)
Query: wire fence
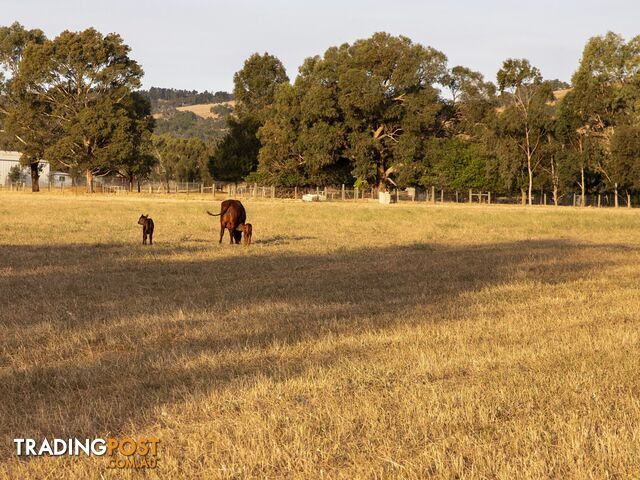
(338, 193)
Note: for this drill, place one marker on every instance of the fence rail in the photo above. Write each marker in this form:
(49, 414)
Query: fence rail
(342, 193)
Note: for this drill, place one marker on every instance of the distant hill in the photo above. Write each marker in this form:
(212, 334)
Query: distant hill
(210, 110)
(189, 113)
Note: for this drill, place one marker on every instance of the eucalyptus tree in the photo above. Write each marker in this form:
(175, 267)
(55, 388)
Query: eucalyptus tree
(607, 94)
(525, 119)
(23, 117)
(85, 79)
(473, 102)
(369, 105)
(255, 87)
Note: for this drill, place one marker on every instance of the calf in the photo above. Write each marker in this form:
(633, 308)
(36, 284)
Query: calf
(247, 229)
(147, 228)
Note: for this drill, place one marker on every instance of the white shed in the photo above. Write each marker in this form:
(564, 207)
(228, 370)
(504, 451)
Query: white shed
(8, 159)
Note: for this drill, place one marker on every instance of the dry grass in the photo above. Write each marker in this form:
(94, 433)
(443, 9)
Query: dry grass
(204, 109)
(408, 341)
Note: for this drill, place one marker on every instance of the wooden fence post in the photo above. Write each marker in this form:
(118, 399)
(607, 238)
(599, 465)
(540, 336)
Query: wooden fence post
(343, 192)
(599, 200)
(470, 195)
(433, 194)
(545, 198)
(441, 196)
(355, 193)
(574, 199)
(628, 200)
(456, 196)
(295, 193)
(397, 196)
(489, 198)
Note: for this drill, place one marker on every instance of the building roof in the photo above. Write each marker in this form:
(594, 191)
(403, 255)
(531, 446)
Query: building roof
(8, 155)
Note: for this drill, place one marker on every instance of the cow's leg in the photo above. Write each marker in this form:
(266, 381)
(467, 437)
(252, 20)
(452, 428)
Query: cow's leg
(222, 227)
(231, 235)
(151, 238)
(144, 237)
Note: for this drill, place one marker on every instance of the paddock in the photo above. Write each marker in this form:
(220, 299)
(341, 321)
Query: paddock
(355, 339)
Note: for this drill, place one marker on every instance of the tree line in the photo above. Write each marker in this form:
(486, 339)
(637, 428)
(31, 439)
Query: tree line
(383, 111)
(177, 97)
(387, 112)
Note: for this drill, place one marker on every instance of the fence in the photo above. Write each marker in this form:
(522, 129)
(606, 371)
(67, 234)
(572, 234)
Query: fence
(342, 193)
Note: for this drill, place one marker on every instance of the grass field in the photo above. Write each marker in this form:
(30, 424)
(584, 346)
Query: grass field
(350, 341)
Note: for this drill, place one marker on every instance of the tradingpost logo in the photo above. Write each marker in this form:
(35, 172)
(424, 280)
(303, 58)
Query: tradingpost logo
(126, 453)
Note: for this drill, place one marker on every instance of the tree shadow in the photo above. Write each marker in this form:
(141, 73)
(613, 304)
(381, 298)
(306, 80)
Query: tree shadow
(110, 334)
(281, 240)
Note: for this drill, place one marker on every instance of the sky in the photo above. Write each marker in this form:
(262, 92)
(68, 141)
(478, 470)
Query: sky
(198, 45)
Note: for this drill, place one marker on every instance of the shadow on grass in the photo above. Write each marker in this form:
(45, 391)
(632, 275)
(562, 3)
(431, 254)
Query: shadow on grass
(281, 240)
(108, 331)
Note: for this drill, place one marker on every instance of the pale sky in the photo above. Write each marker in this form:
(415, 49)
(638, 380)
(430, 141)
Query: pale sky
(198, 45)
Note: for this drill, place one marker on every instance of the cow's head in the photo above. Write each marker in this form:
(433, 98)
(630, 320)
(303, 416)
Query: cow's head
(143, 219)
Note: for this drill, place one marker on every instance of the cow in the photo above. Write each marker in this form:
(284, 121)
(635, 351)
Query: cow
(147, 228)
(232, 216)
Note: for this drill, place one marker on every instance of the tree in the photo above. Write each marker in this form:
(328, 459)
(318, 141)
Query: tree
(256, 85)
(85, 79)
(130, 151)
(236, 155)
(180, 159)
(473, 102)
(578, 149)
(625, 157)
(370, 104)
(15, 175)
(255, 89)
(606, 94)
(23, 116)
(524, 123)
(458, 164)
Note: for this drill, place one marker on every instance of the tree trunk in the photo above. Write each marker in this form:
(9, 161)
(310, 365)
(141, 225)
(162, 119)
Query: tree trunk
(554, 181)
(615, 193)
(89, 176)
(138, 180)
(530, 180)
(582, 187)
(131, 183)
(35, 177)
(382, 184)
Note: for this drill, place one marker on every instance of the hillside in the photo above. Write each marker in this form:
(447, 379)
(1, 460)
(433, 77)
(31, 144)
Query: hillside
(210, 110)
(189, 113)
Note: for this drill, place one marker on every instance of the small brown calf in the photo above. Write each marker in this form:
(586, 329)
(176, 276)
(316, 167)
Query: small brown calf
(247, 229)
(147, 228)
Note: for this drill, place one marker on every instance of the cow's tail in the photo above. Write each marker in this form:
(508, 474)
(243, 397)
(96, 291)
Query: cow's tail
(214, 214)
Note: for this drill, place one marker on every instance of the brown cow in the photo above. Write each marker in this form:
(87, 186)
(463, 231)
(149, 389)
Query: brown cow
(232, 215)
(147, 228)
